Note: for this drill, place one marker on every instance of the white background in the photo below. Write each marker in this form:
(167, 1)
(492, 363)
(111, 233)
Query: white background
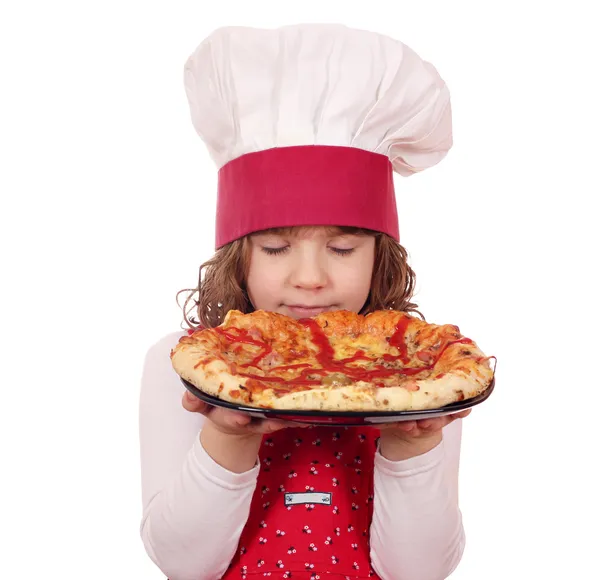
(107, 211)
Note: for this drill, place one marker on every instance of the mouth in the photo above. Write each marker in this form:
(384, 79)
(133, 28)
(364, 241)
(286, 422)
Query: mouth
(305, 311)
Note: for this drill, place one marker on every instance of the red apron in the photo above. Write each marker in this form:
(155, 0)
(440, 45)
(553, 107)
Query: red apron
(312, 508)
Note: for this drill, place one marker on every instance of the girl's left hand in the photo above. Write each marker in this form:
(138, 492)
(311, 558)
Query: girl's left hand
(408, 439)
(422, 428)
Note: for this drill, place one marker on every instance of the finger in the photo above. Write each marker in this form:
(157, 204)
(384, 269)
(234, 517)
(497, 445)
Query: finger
(431, 425)
(453, 417)
(406, 426)
(235, 419)
(462, 414)
(193, 404)
(273, 425)
(424, 423)
(267, 426)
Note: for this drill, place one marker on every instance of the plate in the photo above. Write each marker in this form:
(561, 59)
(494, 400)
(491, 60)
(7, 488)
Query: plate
(347, 418)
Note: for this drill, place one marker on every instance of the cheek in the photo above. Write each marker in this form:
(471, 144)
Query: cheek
(356, 282)
(263, 284)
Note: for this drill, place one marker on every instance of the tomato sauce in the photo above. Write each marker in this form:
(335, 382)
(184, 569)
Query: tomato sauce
(325, 357)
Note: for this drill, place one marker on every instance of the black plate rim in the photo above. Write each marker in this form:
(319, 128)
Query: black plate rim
(447, 409)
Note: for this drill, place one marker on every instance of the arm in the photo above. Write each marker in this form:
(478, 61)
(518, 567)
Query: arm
(417, 531)
(194, 509)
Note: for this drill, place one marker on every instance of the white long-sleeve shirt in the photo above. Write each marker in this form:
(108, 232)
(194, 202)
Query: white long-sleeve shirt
(194, 510)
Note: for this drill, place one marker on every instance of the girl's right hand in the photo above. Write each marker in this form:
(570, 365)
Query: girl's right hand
(233, 422)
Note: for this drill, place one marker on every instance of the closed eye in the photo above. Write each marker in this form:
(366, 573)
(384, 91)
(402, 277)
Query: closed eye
(275, 251)
(342, 252)
(283, 249)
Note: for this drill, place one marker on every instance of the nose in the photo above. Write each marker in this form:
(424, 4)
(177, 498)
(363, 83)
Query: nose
(308, 272)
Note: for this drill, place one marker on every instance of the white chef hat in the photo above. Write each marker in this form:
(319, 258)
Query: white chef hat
(306, 124)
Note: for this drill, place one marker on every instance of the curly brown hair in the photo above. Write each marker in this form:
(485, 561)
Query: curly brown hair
(223, 286)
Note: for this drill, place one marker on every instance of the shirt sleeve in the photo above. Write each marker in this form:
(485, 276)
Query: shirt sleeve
(417, 531)
(194, 510)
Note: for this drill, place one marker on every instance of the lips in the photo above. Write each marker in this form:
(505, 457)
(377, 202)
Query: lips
(305, 311)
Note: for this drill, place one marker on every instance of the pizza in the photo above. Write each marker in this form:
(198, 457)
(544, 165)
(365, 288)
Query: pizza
(336, 361)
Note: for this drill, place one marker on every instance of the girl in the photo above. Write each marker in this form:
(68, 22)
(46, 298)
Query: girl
(307, 124)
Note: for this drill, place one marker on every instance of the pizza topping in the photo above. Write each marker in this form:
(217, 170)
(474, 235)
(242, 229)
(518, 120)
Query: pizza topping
(325, 354)
(334, 372)
(360, 355)
(425, 356)
(289, 367)
(271, 360)
(243, 336)
(398, 341)
(410, 385)
(254, 333)
(336, 379)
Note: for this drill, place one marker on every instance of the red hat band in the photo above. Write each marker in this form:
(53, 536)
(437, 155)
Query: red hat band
(306, 185)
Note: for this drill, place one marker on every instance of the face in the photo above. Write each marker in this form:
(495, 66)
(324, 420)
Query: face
(310, 271)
